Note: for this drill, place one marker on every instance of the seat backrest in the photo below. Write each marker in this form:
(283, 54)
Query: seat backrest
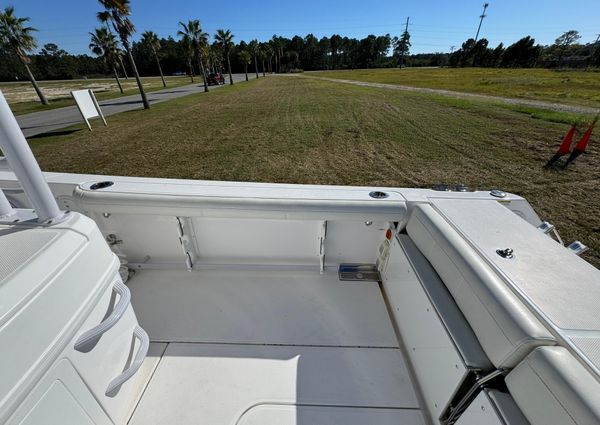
(504, 326)
(551, 387)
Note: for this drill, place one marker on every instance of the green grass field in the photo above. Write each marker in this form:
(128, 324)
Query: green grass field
(23, 99)
(301, 130)
(568, 87)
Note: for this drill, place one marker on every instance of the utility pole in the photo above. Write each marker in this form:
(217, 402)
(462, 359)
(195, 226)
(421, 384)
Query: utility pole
(482, 16)
(403, 43)
(593, 50)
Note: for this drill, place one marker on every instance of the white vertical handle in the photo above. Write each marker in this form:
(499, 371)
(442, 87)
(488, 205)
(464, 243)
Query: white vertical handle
(118, 312)
(140, 334)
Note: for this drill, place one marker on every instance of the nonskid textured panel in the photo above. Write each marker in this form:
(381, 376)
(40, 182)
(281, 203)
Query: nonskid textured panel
(19, 245)
(327, 415)
(218, 384)
(260, 307)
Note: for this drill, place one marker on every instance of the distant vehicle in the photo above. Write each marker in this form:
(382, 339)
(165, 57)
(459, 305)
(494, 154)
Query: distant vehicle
(215, 79)
(179, 74)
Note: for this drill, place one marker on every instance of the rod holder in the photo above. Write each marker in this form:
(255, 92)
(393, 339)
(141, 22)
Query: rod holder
(546, 227)
(578, 248)
(23, 164)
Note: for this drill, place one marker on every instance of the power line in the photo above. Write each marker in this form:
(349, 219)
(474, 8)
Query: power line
(442, 29)
(65, 37)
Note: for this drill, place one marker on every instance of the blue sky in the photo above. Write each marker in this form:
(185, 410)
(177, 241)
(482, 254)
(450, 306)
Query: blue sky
(435, 25)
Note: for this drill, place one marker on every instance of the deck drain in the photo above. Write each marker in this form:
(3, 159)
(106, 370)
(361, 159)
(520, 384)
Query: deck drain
(359, 272)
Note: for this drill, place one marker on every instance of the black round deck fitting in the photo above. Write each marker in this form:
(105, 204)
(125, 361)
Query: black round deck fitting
(101, 185)
(376, 194)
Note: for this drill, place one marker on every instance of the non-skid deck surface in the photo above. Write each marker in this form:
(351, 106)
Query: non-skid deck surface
(270, 348)
(260, 307)
(278, 385)
(319, 415)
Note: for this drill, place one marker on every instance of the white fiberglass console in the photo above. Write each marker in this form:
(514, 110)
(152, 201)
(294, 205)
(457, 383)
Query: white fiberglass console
(70, 341)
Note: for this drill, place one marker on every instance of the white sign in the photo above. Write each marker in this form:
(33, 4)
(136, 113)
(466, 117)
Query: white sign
(88, 106)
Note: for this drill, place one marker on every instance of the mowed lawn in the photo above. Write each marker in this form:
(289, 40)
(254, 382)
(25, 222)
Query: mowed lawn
(300, 130)
(568, 87)
(22, 97)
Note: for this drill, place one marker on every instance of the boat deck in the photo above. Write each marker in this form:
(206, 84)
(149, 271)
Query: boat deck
(269, 347)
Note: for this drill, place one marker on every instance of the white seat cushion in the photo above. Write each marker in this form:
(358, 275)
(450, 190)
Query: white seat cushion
(504, 326)
(552, 387)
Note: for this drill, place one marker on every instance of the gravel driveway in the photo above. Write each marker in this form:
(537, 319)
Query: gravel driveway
(511, 101)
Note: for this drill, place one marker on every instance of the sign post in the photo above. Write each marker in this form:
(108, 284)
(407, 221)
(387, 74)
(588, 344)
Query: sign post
(88, 106)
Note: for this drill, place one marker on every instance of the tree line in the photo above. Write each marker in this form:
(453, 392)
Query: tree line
(280, 55)
(306, 53)
(525, 53)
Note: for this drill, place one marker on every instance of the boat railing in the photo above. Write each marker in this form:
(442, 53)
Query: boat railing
(27, 170)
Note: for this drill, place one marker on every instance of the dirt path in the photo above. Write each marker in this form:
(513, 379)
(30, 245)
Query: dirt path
(511, 101)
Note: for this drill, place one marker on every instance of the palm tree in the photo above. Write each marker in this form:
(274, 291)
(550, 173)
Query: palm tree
(105, 17)
(277, 43)
(187, 44)
(104, 44)
(214, 60)
(254, 48)
(119, 11)
(262, 53)
(245, 59)
(15, 36)
(120, 5)
(151, 41)
(197, 39)
(269, 52)
(225, 42)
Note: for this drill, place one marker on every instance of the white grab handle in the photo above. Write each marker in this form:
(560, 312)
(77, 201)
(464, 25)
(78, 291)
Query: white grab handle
(118, 311)
(140, 334)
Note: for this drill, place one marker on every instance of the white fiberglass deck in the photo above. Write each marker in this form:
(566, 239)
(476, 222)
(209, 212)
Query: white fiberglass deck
(270, 347)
